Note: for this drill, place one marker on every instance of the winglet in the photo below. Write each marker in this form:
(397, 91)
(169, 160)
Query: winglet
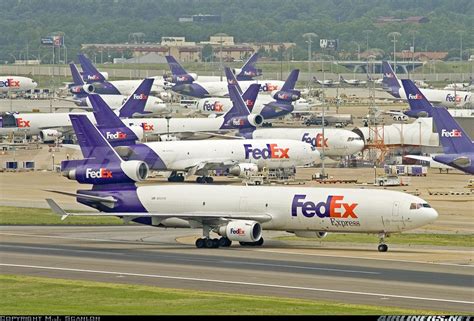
(57, 209)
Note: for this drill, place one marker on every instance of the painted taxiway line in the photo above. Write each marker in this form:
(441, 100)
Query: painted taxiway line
(266, 285)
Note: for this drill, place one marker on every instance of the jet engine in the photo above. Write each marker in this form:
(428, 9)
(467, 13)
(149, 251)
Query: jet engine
(49, 135)
(128, 171)
(254, 120)
(241, 231)
(243, 169)
(282, 95)
(311, 234)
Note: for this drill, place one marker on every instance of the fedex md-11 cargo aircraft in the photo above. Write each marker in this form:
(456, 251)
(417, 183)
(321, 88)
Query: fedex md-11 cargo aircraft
(235, 213)
(198, 157)
(16, 83)
(50, 126)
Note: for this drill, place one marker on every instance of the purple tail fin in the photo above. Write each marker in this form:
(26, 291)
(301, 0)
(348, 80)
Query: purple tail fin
(250, 95)
(238, 106)
(76, 76)
(451, 135)
(249, 70)
(137, 100)
(419, 105)
(176, 68)
(89, 71)
(390, 80)
(231, 80)
(110, 125)
(290, 82)
(92, 143)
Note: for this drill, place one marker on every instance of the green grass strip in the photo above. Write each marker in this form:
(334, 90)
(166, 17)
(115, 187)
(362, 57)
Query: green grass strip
(40, 295)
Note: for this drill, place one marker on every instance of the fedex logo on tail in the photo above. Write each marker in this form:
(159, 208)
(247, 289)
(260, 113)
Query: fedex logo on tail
(268, 87)
(140, 97)
(215, 106)
(93, 77)
(333, 207)
(453, 98)
(10, 83)
(101, 173)
(183, 78)
(116, 135)
(454, 133)
(272, 151)
(318, 141)
(415, 97)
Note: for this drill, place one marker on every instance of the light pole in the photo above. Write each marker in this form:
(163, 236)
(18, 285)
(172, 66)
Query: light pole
(367, 37)
(168, 126)
(460, 32)
(309, 36)
(394, 35)
(413, 34)
(220, 52)
(358, 48)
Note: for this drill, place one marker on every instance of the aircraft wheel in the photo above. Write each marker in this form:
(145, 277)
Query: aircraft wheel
(259, 242)
(215, 243)
(199, 180)
(208, 180)
(200, 243)
(244, 243)
(224, 242)
(383, 248)
(209, 243)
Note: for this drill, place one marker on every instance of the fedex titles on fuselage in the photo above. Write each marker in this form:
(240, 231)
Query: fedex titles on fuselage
(339, 212)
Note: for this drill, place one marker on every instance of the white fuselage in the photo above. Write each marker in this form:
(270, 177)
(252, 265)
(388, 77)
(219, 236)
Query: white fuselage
(337, 142)
(447, 98)
(221, 105)
(16, 83)
(294, 208)
(154, 105)
(219, 88)
(127, 87)
(269, 153)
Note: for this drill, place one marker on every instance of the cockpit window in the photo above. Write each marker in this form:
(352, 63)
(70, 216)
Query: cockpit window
(415, 206)
(350, 139)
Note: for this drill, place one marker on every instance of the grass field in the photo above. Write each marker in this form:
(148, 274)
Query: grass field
(407, 239)
(37, 216)
(39, 295)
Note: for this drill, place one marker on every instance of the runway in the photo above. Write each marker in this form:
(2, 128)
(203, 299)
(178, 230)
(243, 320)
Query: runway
(148, 256)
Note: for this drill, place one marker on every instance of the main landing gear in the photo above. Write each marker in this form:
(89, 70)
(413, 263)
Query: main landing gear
(204, 180)
(382, 246)
(176, 178)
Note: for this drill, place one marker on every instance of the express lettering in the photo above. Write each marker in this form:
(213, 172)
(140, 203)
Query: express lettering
(453, 133)
(22, 123)
(271, 152)
(333, 207)
(317, 141)
(101, 173)
(10, 83)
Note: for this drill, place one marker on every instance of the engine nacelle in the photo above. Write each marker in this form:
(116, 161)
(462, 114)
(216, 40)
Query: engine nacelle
(243, 169)
(49, 135)
(241, 231)
(311, 234)
(181, 79)
(99, 174)
(400, 117)
(291, 95)
(85, 89)
(254, 120)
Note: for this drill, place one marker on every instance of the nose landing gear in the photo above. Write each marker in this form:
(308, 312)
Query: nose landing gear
(382, 246)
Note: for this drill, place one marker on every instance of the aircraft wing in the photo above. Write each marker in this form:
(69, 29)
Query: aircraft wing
(191, 216)
(195, 166)
(421, 158)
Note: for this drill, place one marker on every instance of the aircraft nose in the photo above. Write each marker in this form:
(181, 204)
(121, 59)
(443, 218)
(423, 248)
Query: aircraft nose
(432, 215)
